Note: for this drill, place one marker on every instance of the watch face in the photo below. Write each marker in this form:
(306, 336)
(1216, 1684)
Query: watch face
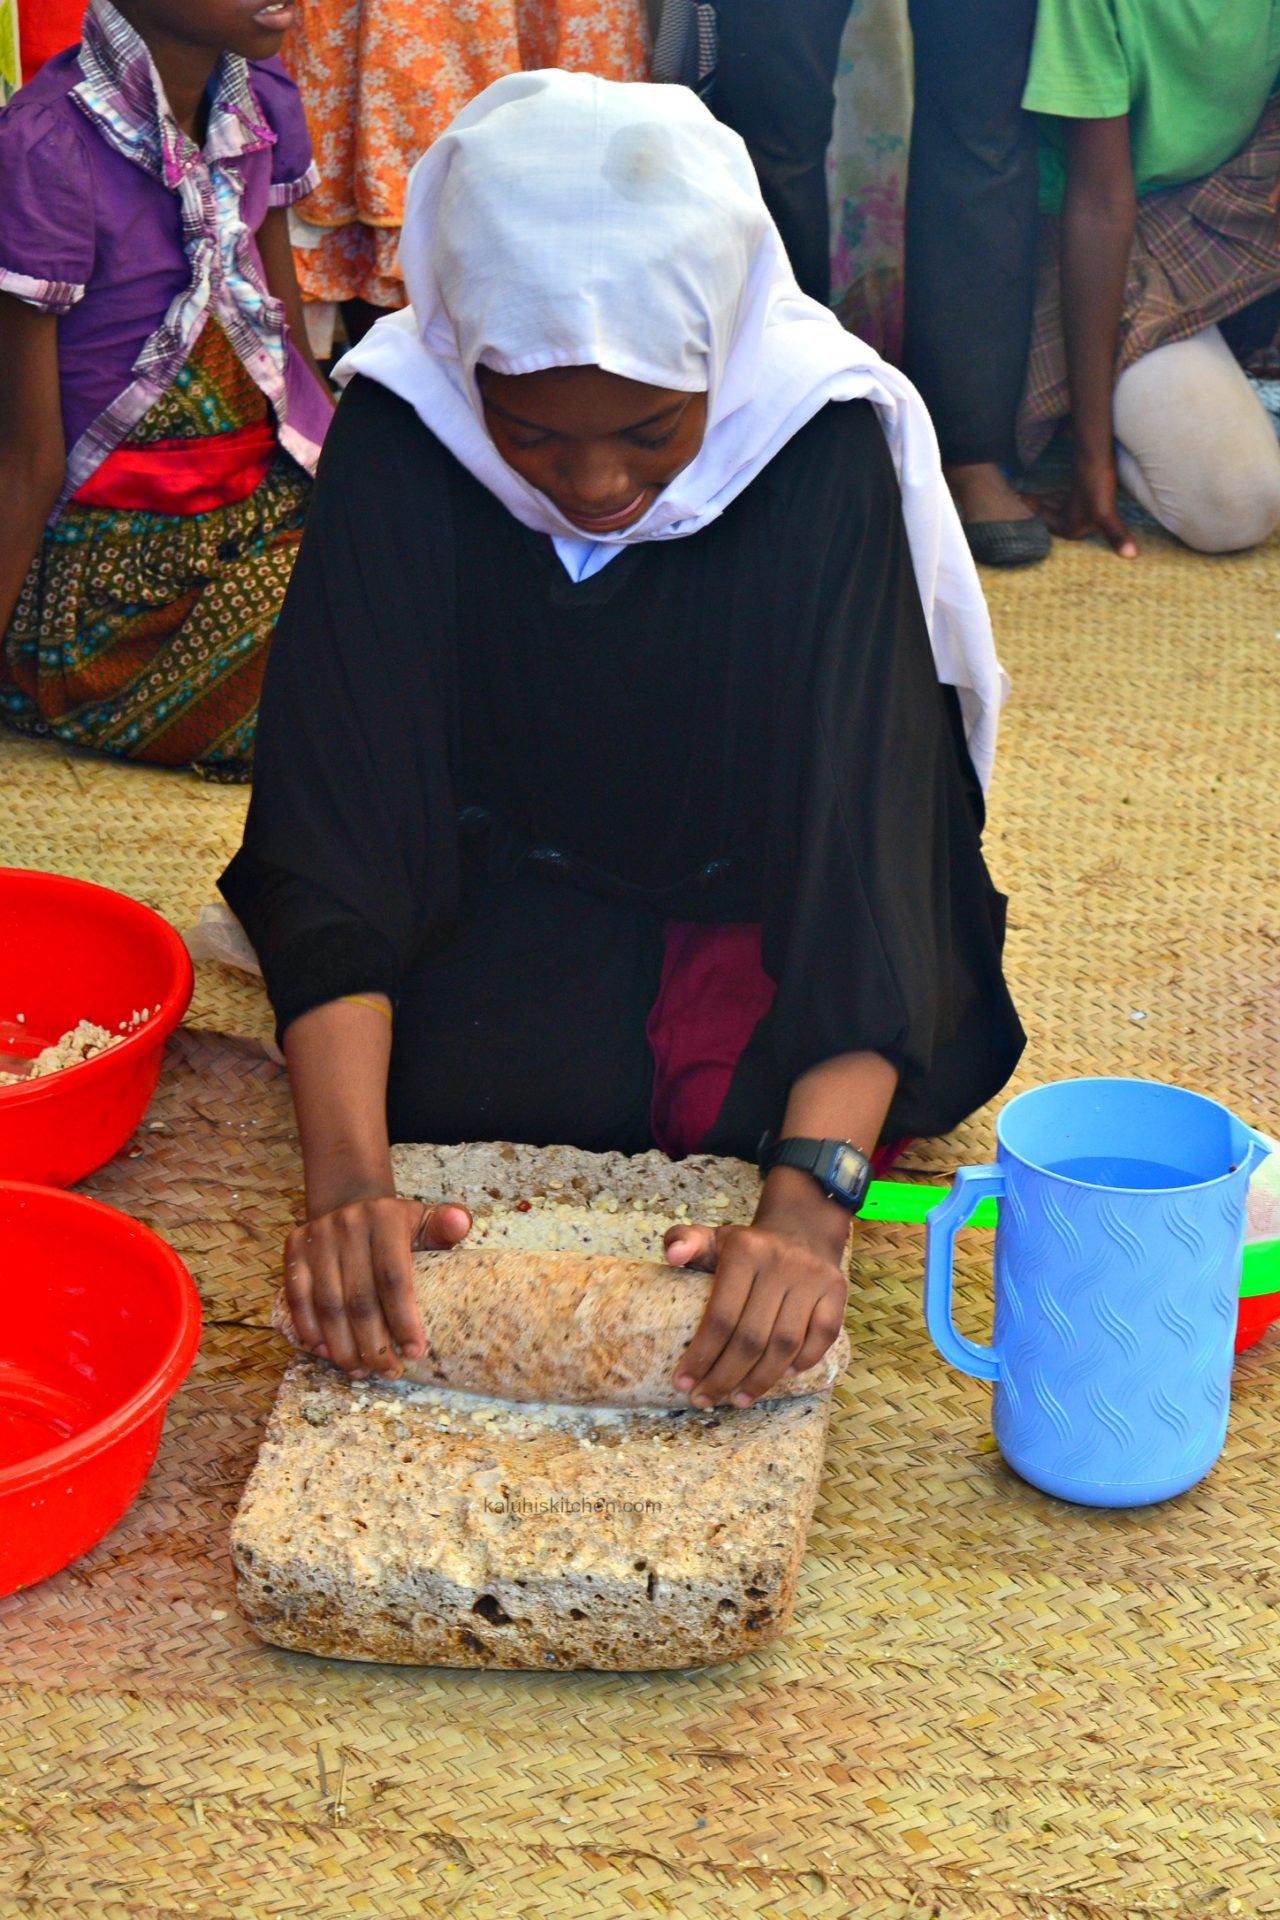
(846, 1169)
(845, 1174)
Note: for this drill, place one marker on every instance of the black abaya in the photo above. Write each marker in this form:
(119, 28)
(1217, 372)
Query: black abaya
(482, 788)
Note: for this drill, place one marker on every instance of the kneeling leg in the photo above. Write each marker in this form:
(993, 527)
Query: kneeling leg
(1196, 448)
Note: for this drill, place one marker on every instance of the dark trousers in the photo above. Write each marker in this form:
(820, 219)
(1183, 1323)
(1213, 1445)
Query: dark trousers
(774, 84)
(530, 1025)
(1253, 328)
(972, 222)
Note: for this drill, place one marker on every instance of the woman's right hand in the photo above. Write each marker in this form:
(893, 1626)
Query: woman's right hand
(348, 1278)
(1090, 507)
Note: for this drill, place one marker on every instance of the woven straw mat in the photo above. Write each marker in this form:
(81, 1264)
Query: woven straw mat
(990, 1706)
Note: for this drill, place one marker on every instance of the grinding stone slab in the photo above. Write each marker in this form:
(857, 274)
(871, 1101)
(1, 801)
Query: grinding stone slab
(426, 1526)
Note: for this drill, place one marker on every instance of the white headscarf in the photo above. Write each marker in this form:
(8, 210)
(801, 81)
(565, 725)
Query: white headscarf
(563, 220)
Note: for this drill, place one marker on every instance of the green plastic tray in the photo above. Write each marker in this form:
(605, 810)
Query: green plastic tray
(909, 1202)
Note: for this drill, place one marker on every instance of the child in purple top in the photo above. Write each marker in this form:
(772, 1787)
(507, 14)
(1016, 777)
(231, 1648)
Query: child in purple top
(160, 413)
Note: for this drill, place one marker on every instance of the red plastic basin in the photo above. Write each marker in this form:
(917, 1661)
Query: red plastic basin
(99, 1323)
(1258, 1311)
(70, 951)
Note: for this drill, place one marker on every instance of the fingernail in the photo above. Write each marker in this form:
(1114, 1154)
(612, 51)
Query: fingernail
(700, 1400)
(322, 1351)
(742, 1399)
(684, 1381)
(413, 1351)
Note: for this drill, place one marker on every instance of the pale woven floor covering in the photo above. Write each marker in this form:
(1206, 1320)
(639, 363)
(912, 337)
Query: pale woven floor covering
(990, 1706)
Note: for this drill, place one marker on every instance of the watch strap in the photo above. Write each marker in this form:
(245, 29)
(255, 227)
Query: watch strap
(798, 1152)
(814, 1157)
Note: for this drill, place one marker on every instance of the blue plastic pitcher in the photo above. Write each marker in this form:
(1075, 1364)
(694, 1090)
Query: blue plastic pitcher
(1117, 1267)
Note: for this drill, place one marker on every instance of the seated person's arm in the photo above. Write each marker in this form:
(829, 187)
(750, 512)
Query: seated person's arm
(337, 1056)
(32, 449)
(779, 1296)
(282, 282)
(1098, 219)
(349, 1267)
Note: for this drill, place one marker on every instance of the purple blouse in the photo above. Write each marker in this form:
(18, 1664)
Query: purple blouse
(113, 219)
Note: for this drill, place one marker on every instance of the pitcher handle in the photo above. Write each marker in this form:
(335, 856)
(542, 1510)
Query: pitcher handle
(970, 1185)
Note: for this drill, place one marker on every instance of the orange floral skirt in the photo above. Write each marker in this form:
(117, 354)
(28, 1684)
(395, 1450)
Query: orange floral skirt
(381, 79)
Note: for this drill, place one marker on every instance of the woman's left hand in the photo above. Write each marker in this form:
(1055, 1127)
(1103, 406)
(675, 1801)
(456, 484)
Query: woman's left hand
(777, 1304)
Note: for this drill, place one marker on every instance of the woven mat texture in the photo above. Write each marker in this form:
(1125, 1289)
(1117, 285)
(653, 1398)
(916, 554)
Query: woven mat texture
(991, 1706)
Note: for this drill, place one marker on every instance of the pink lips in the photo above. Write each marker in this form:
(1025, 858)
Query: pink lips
(602, 522)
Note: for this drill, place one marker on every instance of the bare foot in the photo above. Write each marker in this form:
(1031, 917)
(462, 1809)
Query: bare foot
(981, 492)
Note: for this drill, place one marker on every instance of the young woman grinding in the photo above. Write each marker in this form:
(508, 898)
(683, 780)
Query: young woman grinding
(608, 790)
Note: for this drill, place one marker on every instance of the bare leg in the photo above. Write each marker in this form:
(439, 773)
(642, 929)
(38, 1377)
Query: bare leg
(1196, 448)
(981, 492)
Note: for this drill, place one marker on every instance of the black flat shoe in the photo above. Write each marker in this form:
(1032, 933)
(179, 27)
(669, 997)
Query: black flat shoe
(1008, 543)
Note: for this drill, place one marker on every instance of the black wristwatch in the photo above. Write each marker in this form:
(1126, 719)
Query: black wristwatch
(840, 1170)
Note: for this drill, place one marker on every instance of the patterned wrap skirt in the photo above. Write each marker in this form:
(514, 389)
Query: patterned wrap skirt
(1201, 252)
(142, 633)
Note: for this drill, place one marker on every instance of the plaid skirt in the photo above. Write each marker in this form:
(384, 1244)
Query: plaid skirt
(1201, 252)
(145, 634)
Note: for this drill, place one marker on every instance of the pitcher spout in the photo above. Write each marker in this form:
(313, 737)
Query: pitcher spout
(1252, 1149)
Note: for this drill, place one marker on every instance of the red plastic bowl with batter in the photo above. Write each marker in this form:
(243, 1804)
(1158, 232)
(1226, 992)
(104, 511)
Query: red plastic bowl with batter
(72, 951)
